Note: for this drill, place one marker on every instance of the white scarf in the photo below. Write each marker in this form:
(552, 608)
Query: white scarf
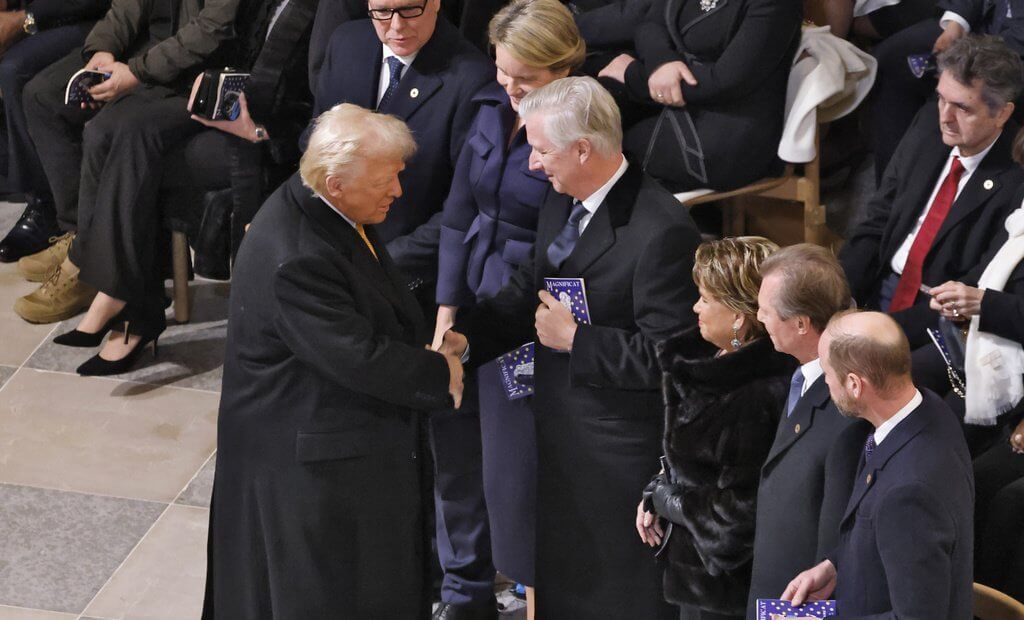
(994, 365)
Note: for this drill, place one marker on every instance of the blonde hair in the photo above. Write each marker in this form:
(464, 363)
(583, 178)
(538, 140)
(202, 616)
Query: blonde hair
(730, 271)
(539, 33)
(576, 108)
(344, 137)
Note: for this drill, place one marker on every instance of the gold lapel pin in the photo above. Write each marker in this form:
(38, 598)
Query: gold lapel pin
(869, 479)
(988, 184)
(416, 93)
(796, 429)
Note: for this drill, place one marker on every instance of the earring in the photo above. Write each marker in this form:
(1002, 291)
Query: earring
(735, 342)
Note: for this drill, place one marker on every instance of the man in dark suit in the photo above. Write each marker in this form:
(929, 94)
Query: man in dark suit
(898, 94)
(597, 386)
(907, 537)
(806, 479)
(317, 509)
(946, 192)
(410, 62)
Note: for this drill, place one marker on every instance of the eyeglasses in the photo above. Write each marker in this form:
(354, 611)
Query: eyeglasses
(405, 12)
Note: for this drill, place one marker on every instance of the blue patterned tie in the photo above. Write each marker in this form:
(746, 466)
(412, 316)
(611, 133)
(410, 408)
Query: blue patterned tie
(395, 66)
(796, 387)
(562, 246)
(869, 446)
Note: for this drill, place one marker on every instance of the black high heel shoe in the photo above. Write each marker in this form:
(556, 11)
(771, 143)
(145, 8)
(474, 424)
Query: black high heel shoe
(96, 366)
(76, 338)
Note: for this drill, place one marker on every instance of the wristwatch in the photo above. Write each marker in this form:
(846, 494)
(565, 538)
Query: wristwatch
(261, 133)
(29, 25)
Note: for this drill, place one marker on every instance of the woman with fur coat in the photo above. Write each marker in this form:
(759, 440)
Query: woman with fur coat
(724, 388)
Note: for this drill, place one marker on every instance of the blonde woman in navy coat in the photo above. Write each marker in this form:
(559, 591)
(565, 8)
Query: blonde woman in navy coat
(487, 231)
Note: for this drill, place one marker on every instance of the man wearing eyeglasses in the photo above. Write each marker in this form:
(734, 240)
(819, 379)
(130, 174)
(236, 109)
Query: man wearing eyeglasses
(410, 62)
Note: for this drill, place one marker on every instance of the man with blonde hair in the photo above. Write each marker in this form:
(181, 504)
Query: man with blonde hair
(318, 510)
(598, 386)
(906, 541)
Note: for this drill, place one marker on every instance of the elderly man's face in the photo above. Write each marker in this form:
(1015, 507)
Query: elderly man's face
(785, 334)
(367, 198)
(403, 35)
(964, 118)
(562, 166)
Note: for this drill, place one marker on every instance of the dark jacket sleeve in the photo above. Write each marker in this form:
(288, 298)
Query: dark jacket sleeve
(319, 324)
(329, 15)
(460, 209)
(51, 13)
(971, 10)
(190, 46)
(663, 293)
(503, 322)
(1002, 314)
(118, 29)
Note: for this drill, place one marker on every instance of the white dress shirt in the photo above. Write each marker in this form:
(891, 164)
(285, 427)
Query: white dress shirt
(593, 201)
(886, 427)
(811, 371)
(970, 164)
(385, 71)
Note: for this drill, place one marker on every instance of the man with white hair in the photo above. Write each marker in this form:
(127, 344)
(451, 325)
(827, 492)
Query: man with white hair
(317, 508)
(597, 386)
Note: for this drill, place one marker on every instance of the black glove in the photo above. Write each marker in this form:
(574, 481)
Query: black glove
(667, 500)
(659, 479)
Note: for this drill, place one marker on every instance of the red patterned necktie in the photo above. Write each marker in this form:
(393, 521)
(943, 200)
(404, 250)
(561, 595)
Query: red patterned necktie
(910, 280)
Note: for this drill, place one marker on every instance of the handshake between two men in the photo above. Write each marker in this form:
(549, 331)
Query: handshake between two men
(554, 322)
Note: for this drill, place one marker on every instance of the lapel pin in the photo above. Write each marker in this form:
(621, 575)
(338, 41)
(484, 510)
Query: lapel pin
(416, 93)
(869, 479)
(988, 184)
(796, 429)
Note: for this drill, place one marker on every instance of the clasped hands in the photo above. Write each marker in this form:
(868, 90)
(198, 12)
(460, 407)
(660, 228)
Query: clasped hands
(664, 84)
(555, 324)
(121, 81)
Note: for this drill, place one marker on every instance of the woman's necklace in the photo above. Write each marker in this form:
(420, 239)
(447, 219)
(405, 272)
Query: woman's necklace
(708, 5)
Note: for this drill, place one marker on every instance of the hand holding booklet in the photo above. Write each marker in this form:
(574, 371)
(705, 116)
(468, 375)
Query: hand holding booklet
(571, 293)
(77, 91)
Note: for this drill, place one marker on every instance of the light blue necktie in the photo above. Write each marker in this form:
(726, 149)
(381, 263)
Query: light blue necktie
(796, 386)
(563, 245)
(395, 65)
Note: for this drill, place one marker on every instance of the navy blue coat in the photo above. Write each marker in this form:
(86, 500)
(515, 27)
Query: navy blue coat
(906, 542)
(435, 99)
(489, 221)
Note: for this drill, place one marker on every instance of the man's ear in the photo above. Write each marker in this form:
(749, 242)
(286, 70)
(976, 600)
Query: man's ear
(333, 186)
(584, 149)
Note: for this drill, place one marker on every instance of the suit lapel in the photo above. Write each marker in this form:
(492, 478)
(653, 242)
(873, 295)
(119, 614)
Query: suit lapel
(403, 300)
(553, 216)
(420, 81)
(344, 238)
(674, 13)
(983, 184)
(599, 234)
(365, 83)
(793, 427)
(867, 476)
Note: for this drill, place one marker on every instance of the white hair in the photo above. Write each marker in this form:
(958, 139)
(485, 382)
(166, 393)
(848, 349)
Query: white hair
(344, 137)
(577, 108)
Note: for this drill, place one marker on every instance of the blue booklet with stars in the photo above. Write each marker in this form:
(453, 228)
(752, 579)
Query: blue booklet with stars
(775, 609)
(516, 370)
(572, 294)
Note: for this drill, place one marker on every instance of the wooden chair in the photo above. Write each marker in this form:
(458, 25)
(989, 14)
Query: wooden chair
(991, 604)
(799, 183)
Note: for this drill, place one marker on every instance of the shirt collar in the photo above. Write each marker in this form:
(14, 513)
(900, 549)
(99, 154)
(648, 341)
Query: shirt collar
(406, 60)
(593, 201)
(886, 427)
(333, 208)
(811, 371)
(971, 163)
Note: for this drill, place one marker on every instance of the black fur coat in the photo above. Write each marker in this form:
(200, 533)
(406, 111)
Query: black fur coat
(721, 415)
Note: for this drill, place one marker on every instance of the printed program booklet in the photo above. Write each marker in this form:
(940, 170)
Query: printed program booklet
(571, 293)
(775, 609)
(516, 369)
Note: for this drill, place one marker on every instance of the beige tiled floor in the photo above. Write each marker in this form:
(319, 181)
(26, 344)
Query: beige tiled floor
(102, 508)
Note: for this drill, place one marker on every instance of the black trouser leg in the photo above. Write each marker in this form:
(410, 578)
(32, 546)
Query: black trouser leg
(56, 131)
(123, 152)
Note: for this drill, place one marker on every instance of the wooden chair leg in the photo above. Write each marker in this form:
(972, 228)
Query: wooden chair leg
(814, 223)
(179, 249)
